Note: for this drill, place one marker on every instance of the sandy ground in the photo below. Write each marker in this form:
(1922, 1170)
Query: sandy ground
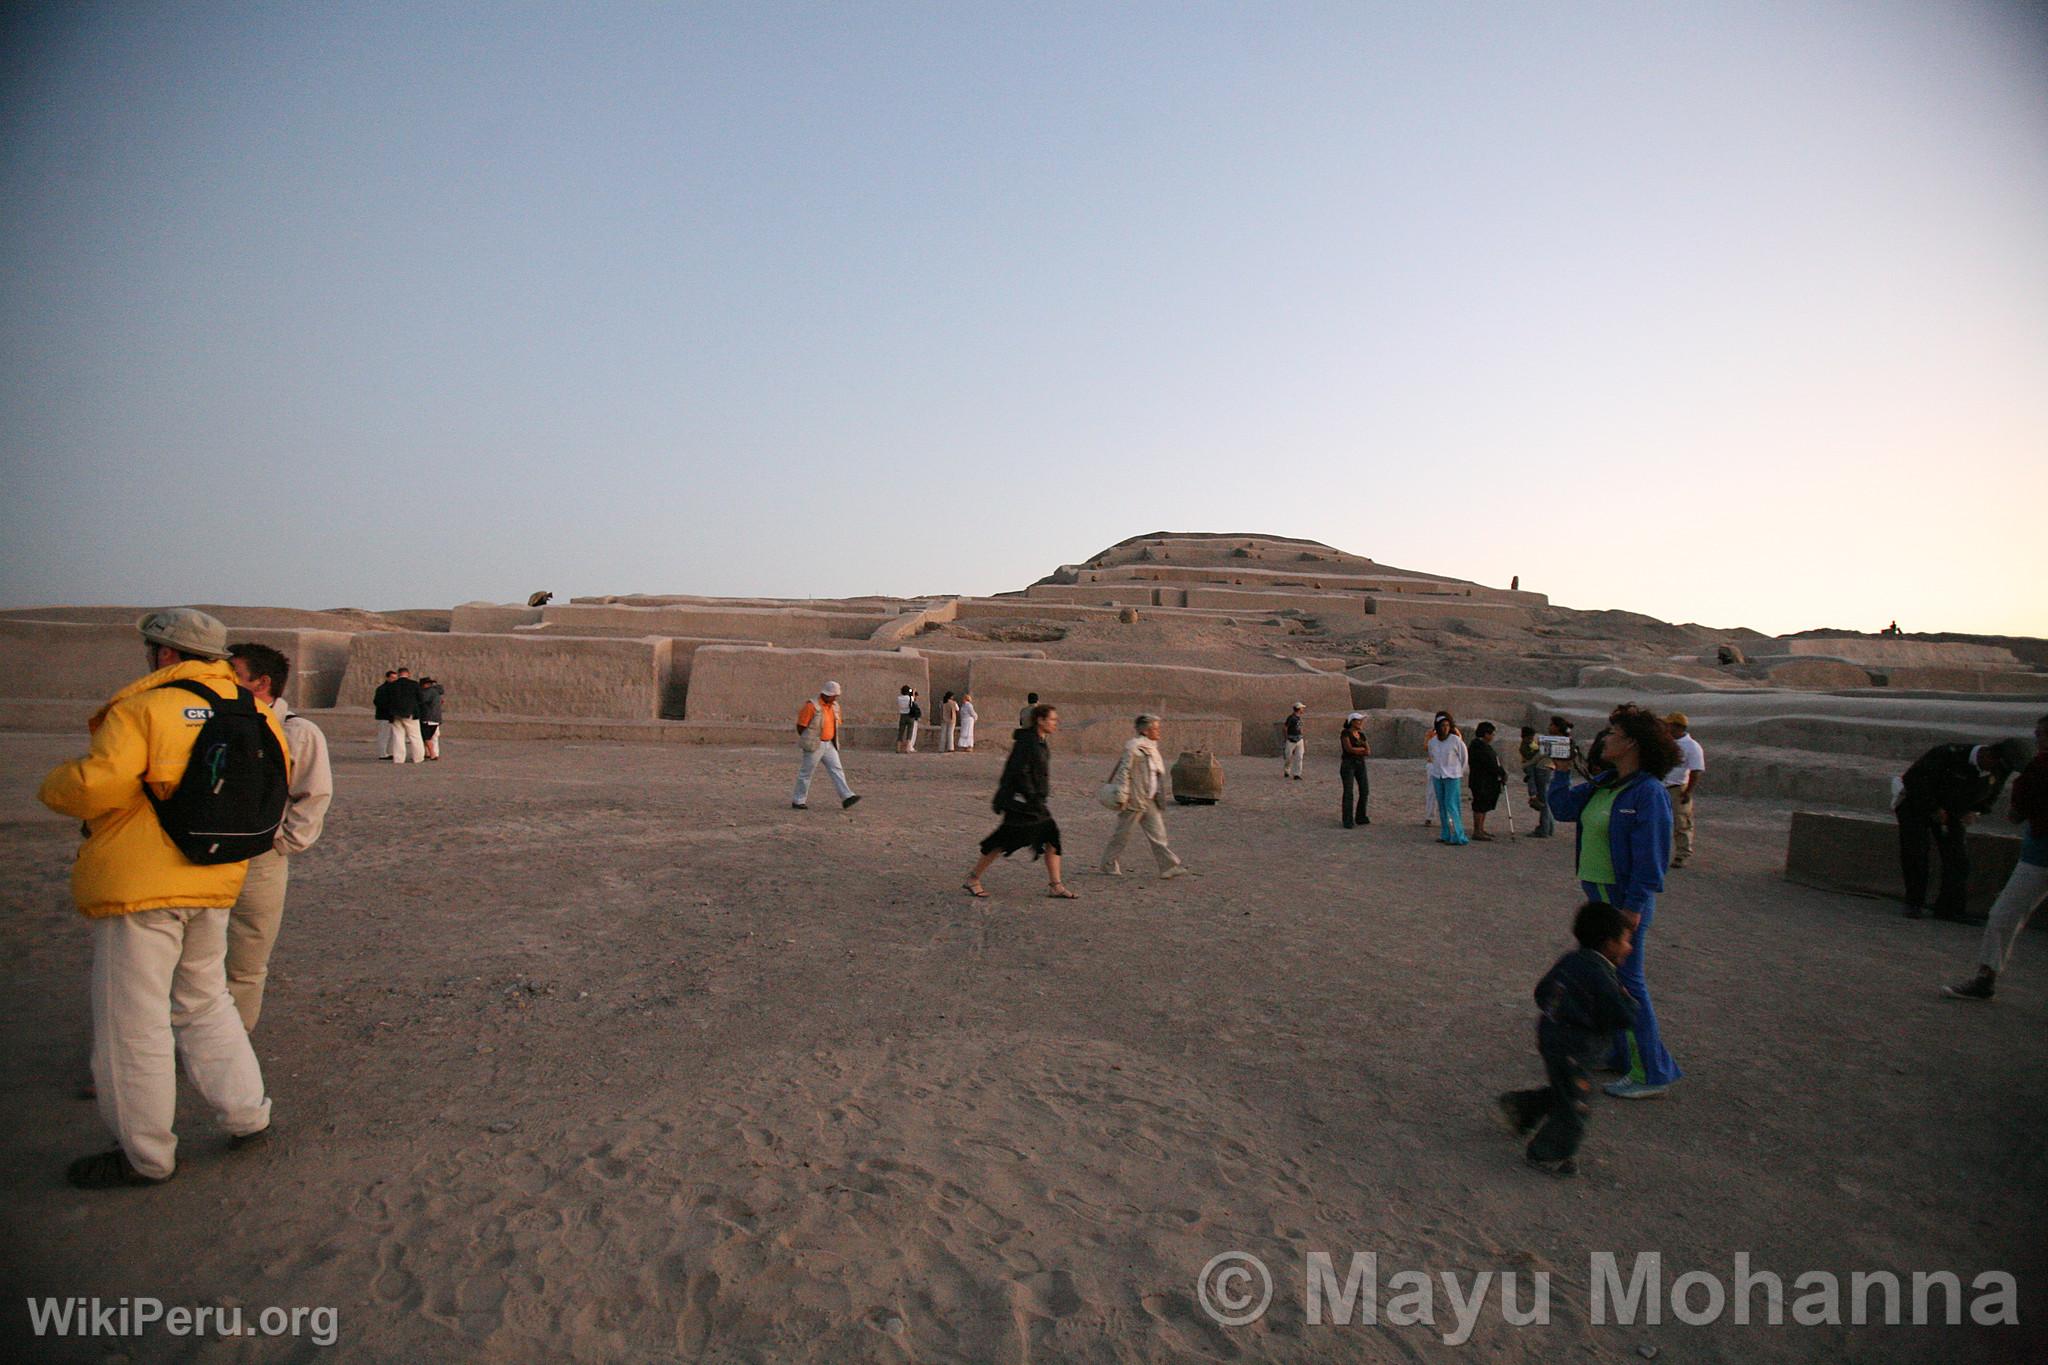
(602, 1053)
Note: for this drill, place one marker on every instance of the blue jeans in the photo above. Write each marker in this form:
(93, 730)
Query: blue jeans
(1545, 825)
(1450, 816)
(1639, 1051)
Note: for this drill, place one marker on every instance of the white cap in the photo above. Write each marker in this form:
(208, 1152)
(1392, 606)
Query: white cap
(1356, 715)
(1301, 706)
(830, 689)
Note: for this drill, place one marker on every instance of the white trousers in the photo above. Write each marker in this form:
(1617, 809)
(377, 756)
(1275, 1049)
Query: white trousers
(1142, 814)
(1291, 764)
(386, 732)
(2023, 893)
(406, 744)
(945, 739)
(159, 992)
(828, 755)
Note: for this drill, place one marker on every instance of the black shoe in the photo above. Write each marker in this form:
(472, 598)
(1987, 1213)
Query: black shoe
(242, 1142)
(1916, 912)
(847, 804)
(108, 1171)
(798, 805)
(1364, 820)
(1349, 825)
(1564, 1166)
(1982, 986)
(1511, 1115)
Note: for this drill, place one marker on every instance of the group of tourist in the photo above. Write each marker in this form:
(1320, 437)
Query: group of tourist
(956, 721)
(182, 875)
(184, 925)
(408, 714)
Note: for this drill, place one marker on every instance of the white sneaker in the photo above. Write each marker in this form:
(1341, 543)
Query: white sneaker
(1177, 870)
(1634, 1090)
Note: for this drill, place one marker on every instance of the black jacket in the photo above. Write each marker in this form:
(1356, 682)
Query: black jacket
(430, 704)
(1487, 773)
(1944, 779)
(381, 699)
(405, 699)
(1583, 1005)
(1026, 784)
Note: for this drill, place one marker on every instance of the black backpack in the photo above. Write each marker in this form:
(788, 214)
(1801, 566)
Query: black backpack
(231, 799)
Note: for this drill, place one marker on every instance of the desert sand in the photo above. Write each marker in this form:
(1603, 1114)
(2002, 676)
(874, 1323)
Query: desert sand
(600, 1052)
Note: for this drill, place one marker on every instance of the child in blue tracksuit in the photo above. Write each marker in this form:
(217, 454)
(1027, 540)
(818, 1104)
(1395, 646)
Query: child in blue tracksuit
(1584, 1007)
(1624, 845)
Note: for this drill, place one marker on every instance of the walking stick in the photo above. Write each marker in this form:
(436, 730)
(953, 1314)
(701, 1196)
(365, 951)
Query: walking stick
(1507, 794)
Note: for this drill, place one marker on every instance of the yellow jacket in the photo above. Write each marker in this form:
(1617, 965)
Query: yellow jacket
(127, 862)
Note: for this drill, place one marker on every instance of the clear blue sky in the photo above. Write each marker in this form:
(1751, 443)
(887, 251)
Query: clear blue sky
(409, 304)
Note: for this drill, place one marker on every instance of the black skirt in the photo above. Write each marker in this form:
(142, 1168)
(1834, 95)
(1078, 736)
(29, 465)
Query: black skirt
(1035, 832)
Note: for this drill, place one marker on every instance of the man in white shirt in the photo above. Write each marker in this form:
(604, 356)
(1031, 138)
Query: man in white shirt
(1679, 783)
(253, 923)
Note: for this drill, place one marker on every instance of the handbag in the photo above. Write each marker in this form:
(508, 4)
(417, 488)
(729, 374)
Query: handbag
(1111, 792)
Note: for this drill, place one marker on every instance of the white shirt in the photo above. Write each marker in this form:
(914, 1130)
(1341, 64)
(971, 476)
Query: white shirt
(1148, 766)
(903, 700)
(312, 785)
(1691, 759)
(1447, 757)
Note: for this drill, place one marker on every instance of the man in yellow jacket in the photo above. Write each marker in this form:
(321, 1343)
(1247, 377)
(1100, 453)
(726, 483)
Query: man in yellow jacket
(159, 920)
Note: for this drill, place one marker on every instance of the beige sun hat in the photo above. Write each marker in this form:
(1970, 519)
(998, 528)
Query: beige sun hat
(830, 689)
(187, 631)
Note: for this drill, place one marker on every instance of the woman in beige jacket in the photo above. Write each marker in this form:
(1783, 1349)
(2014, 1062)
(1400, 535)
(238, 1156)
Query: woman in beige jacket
(1142, 775)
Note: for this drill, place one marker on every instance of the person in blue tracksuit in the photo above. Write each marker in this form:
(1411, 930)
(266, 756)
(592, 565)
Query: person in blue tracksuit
(1624, 846)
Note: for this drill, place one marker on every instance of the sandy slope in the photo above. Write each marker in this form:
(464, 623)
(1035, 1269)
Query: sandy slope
(598, 1053)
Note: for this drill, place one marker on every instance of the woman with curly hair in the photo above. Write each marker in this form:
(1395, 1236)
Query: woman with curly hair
(1624, 844)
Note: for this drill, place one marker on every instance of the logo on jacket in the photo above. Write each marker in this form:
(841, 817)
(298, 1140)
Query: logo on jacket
(198, 712)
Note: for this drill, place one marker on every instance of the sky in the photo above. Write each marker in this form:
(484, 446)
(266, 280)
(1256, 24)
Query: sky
(1731, 313)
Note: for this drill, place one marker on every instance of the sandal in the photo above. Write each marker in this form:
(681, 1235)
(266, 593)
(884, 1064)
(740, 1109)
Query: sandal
(1060, 892)
(975, 890)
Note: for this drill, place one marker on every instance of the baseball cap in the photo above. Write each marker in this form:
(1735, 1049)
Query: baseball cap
(187, 631)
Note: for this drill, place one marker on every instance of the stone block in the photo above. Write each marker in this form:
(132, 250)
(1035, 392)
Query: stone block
(1091, 692)
(1818, 675)
(519, 675)
(756, 686)
(1861, 855)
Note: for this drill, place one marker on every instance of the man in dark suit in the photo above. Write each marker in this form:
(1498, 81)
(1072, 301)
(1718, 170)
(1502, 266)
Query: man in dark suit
(1943, 794)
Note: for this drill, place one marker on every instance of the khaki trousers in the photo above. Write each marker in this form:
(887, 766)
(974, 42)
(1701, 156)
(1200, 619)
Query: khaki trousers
(1144, 814)
(406, 744)
(158, 993)
(252, 933)
(1681, 827)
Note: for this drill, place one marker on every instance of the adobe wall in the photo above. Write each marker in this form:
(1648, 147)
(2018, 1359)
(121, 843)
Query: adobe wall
(1444, 608)
(1886, 652)
(1243, 599)
(64, 660)
(732, 683)
(491, 618)
(783, 625)
(1817, 674)
(1934, 679)
(950, 668)
(1104, 736)
(1099, 595)
(519, 675)
(1090, 692)
(1861, 855)
(1507, 707)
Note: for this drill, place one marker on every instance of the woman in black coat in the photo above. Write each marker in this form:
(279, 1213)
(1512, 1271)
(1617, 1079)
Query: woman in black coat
(1021, 799)
(1489, 778)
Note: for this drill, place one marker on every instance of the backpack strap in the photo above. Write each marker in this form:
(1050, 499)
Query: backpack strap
(243, 699)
